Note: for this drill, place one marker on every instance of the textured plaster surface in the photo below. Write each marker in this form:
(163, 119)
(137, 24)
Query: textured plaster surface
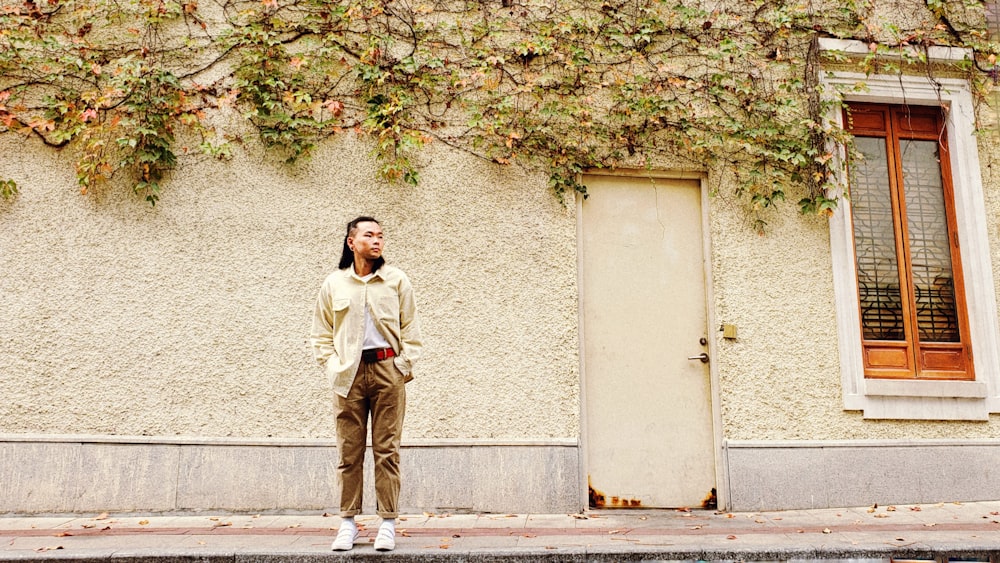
(191, 318)
(780, 378)
(989, 155)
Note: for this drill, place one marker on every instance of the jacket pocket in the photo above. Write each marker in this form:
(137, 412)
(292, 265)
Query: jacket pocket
(340, 308)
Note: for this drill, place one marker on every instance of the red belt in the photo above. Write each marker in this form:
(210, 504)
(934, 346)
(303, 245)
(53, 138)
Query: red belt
(376, 354)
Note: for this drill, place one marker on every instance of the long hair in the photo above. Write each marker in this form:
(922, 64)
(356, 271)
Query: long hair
(347, 255)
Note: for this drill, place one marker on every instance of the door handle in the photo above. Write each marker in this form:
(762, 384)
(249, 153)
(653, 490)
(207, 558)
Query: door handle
(703, 358)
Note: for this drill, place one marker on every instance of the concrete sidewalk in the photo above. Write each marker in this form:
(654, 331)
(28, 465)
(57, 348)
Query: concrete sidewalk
(928, 532)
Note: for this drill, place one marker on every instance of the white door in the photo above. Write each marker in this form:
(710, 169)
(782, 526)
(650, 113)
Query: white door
(649, 437)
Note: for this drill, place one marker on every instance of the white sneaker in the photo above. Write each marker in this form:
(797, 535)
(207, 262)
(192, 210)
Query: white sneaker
(345, 538)
(385, 540)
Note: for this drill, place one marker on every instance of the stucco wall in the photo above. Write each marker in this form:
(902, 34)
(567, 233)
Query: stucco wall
(190, 318)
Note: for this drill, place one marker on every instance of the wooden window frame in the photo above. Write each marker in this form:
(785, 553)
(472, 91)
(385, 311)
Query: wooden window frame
(916, 399)
(911, 358)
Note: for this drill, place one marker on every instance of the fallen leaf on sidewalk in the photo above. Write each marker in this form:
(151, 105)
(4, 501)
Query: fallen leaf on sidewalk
(730, 515)
(295, 525)
(41, 549)
(760, 521)
(223, 524)
(930, 525)
(642, 518)
(730, 537)
(890, 509)
(579, 516)
(143, 522)
(63, 534)
(529, 536)
(916, 508)
(694, 527)
(88, 525)
(827, 531)
(777, 518)
(405, 534)
(881, 516)
(327, 515)
(102, 516)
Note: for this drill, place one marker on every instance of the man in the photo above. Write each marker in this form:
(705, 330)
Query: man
(366, 335)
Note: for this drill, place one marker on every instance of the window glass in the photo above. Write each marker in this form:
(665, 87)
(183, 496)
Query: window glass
(875, 243)
(930, 248)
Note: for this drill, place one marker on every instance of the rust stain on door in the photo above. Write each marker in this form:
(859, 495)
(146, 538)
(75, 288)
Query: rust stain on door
(600, 500)
(711, 501)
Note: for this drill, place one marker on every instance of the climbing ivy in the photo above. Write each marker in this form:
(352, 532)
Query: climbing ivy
(567, 85)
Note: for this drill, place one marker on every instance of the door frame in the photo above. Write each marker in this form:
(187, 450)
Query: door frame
(721, 462)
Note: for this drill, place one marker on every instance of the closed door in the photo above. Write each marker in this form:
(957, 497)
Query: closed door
(649, 437)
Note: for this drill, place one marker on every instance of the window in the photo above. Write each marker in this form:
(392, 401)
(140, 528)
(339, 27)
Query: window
(907, 259)
(935, 393)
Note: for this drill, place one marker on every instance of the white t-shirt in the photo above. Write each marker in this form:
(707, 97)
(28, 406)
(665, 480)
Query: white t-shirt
(373, 338)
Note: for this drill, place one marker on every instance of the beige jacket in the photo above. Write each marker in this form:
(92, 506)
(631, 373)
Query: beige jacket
(338, 327)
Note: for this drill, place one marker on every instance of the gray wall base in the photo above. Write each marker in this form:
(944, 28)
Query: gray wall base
(67, 475)
(801, 475)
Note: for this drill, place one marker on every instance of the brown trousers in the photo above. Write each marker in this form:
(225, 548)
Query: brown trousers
(378, 390)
